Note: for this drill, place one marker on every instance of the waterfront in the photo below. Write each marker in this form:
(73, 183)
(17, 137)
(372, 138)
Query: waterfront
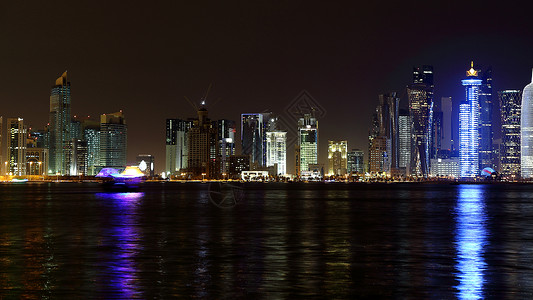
(71, 240)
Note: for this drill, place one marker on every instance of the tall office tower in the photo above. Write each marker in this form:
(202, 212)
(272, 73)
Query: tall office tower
(356, 161)
(436, 139)
(510, 145)
(176, 145)
(469, 125)
(91, 135)
(253, 136)
(485, 120)
(337, 157)
(377, 159)
(276, 148)
(404, 139)
(146, 164)
(389, 106)
(420, 95)
(75, 128)
(307, 149)
(113, 140)
(202, 147)
(447, 125)
(16, 147)
(526, 132)
(226, 143)
(77, 158)
(59, 125)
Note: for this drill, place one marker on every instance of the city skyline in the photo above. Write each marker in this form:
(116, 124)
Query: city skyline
(253, 55)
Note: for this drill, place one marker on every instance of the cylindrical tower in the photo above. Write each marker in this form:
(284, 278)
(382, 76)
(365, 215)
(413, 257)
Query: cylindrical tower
(526, 131)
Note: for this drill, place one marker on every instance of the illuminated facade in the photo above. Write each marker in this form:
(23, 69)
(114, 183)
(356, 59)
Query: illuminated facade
(36, 161)
(176, 148)
(510, 145)
(486, 134)
(77, 158)
(307, 150)
(447, 167)
(356, 161)
(202, 145)
(16, 147)
(337, 157)
(469, 126)
(253, 137)
(420, 95)
(145, 162)
(404, 140)
(60, 125)
(226, 143)
(526, 132)
(276, 148)
(113, 140)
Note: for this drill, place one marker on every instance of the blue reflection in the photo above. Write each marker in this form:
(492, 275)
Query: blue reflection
(125, 240)
(470, 240)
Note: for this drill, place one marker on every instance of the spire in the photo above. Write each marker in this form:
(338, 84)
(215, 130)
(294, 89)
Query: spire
(472, 72)
(62, 80)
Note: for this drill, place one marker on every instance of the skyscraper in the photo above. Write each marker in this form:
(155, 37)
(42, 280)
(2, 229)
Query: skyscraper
(16, 146)
(202, 145)
(337, 157)
(113, 140)
(253, 136)
(404, 139)
(420, 95)
(176, 145)
(510, 145)
(447, 127)
(469, 125)
(60, 125)
(526, 132)
(226, 143)
(356, 162)
(307, 148)
(486, 133)
(276, 148)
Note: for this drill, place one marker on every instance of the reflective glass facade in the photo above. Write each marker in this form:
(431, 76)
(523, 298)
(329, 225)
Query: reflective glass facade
(526, 132)
(469, 127)
(510, 145)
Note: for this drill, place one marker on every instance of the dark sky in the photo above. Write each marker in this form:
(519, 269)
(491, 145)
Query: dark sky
(144, 57)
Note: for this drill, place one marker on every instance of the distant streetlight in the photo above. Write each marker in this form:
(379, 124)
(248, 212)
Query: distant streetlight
(203, 176)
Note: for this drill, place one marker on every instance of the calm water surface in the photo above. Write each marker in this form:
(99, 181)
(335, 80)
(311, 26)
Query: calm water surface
(270, 241)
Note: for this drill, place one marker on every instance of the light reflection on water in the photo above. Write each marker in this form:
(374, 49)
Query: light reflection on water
(125, 240)
(470, 241)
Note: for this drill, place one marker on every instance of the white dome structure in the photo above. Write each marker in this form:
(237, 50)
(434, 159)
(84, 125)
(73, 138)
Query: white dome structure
(526, 131)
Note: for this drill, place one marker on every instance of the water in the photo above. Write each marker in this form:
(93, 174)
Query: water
(413, 241)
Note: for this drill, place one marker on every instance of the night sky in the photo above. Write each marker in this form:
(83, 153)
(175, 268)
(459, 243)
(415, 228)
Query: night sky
(145, 57)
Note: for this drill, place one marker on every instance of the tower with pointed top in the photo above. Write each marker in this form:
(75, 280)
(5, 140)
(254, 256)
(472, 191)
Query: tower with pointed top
(59, 120)
(526, 131)
(469, 125)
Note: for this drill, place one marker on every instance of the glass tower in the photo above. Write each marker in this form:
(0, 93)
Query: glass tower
(253, 137)
(276, 147)
(510, 146)
(59, 125)
(469, 125)
(526, 131)
(337, 157)
(307, 148)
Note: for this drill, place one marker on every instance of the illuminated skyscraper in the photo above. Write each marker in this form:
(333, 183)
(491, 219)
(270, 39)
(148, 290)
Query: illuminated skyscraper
(510, 145)
(202, 145)
(113, 140)
(60, 125)
(469, 125)
(176, 145)
(420, 95)
(526, 132)
(485, 120)
(226, 143)
(356, 163)
(337, 157)
(253, 138)
(16, 146)
(307, 148)
(404, 139)
(276, 148)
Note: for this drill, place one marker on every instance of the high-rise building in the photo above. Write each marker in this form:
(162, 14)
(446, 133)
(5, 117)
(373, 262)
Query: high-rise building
(276, 148)
(420, 95)
(469, 125)
(436, 139)
(307, 149)
(447, 124)
(176, 145)
(226, 143)
(404, 140)
(36, 161)
(202, 147)
(337, 158)
(526, 132)
(510, 144)
(356, 161)
(91, 135)
(253, 137)
(16, 147)
(60, 125)
(113, 140)
(77, 158)
(377, 160)
(486, 134)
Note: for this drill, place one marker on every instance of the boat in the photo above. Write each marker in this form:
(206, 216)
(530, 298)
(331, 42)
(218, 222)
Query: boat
(130, 179)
